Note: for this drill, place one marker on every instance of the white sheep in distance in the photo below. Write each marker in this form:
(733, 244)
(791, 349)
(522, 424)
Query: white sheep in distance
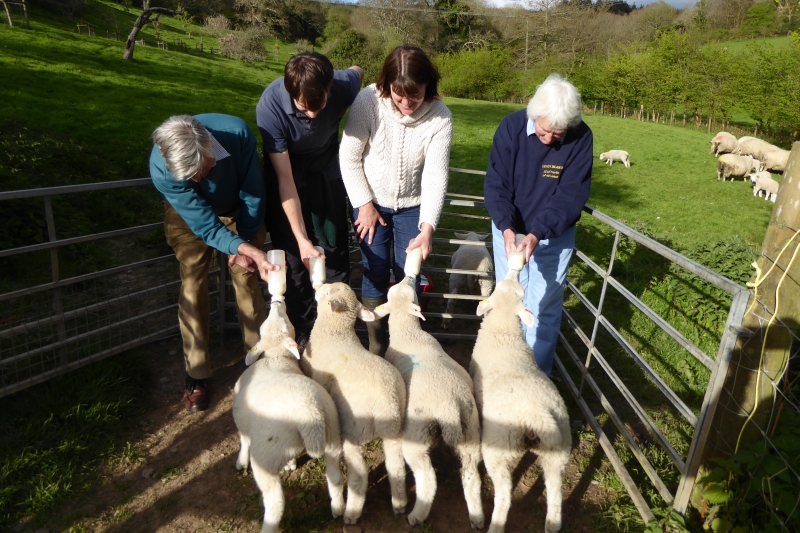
(762, 181)
(724, 143)
(440, 400)
(280, 412)
(518, 403)
(733, 166)
(620, 155)
(755, 147)
(469, 257)
(368, 391)
(775, 160)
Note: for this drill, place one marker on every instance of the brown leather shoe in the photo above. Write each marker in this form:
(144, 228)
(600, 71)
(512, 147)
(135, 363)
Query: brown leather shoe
(195, 396)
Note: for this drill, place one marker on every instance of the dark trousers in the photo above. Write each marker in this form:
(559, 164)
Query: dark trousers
(300, 304)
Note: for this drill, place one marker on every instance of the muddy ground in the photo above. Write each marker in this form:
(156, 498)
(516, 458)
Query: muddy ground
(179, 475)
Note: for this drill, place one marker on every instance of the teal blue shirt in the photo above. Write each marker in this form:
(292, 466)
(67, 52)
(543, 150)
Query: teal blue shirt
(234, 187)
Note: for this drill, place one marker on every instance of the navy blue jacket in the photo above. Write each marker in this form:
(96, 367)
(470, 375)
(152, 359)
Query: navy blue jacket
(531, 187)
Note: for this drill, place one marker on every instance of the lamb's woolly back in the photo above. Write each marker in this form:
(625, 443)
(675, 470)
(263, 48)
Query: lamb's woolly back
(440, 398)
(368, 391)
(470, 257)
(518, 404)
(280, 412)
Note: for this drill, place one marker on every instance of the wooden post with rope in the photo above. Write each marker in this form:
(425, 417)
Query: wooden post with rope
(748, 407)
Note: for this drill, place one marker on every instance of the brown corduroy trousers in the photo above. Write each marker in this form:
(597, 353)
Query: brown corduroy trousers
(194, 306)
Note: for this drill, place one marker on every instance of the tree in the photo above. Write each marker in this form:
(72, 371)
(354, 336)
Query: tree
(141, 20)
(787, 8)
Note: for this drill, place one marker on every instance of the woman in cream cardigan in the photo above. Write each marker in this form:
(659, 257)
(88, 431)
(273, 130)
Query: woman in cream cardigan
(394, 156)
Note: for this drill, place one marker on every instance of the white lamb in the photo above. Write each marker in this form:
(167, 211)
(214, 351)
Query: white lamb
(279, 413)
(440, 401)
(763, 182)
(368, 392)
(733, 166)
(469, 257)
(724, 143)
(518, 402)
(620, 155)
(755, 147)
(775, 160)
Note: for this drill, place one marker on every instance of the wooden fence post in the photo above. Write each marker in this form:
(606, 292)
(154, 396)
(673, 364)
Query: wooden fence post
(760, 358)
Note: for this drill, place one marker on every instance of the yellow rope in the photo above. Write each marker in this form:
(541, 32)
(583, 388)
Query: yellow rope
(755, 285)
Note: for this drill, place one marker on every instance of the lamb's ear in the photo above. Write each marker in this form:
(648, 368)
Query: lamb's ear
(482, 236)
(253, 354)
(380, 311)
(526, 317)
(366, 315)
(290, 345)
(462, 236)
(484, 307)
(417, 311)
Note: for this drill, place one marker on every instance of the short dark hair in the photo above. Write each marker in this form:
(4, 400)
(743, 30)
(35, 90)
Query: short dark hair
(405, 68)
(308, 76)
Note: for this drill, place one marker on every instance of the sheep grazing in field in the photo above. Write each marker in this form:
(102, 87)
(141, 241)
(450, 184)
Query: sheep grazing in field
(520, 407)
(775, 160)
(440, 402)
(619, 155)
(280, 412)
(763, 182)
(368, 391)
(755, 147)
(724, 143)
(733, 166)
(469, 257)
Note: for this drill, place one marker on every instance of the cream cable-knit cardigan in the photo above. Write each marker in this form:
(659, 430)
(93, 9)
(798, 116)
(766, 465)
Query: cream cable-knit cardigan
(391, 159)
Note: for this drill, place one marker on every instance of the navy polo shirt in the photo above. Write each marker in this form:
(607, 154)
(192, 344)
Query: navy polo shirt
(284, 128)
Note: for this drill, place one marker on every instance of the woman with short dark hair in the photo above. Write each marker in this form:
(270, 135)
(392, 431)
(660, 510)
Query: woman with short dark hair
(394, 157)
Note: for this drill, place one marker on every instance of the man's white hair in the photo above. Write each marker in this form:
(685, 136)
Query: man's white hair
(558, 101)
(183, 142)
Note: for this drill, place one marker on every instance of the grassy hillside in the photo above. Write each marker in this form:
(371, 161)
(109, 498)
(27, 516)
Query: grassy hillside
(74, 91)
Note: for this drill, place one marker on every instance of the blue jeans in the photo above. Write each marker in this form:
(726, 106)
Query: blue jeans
(543, 279)
(402, 225)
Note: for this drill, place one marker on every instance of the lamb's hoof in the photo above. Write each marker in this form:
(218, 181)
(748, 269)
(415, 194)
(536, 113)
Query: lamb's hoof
(240, 466)
(476, 524)
(413, 520)
(291, 466)
(552, 526)
(350, 520)
(399, 509)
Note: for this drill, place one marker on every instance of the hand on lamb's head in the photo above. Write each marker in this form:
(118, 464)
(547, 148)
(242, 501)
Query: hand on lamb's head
(508, 295)
(339, 298)
(402, 298)
(276, 329)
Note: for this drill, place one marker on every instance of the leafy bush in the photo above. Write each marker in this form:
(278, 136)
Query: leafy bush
(246, 45)
(216, 25)
(485, 74)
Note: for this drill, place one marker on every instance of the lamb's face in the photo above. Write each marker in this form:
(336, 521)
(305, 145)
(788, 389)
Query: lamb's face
(337, 298)
(277, 326)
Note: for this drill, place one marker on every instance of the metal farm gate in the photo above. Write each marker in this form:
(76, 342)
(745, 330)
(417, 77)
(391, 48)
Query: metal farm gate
(55, 327)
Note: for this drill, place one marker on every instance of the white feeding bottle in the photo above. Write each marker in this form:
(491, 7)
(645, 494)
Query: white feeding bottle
(276, 279)
(516, 260)
(317, 267)
(413, 261)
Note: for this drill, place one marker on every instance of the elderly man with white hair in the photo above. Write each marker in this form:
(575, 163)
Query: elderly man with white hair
(207, 169)
(538, 180)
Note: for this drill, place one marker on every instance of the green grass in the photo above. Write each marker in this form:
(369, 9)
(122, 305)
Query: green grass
(54, 434)
(740, 46)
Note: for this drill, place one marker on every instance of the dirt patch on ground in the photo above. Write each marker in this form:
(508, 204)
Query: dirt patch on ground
(180, 475)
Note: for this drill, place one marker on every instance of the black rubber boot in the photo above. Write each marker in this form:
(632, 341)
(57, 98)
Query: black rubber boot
(377, 330)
